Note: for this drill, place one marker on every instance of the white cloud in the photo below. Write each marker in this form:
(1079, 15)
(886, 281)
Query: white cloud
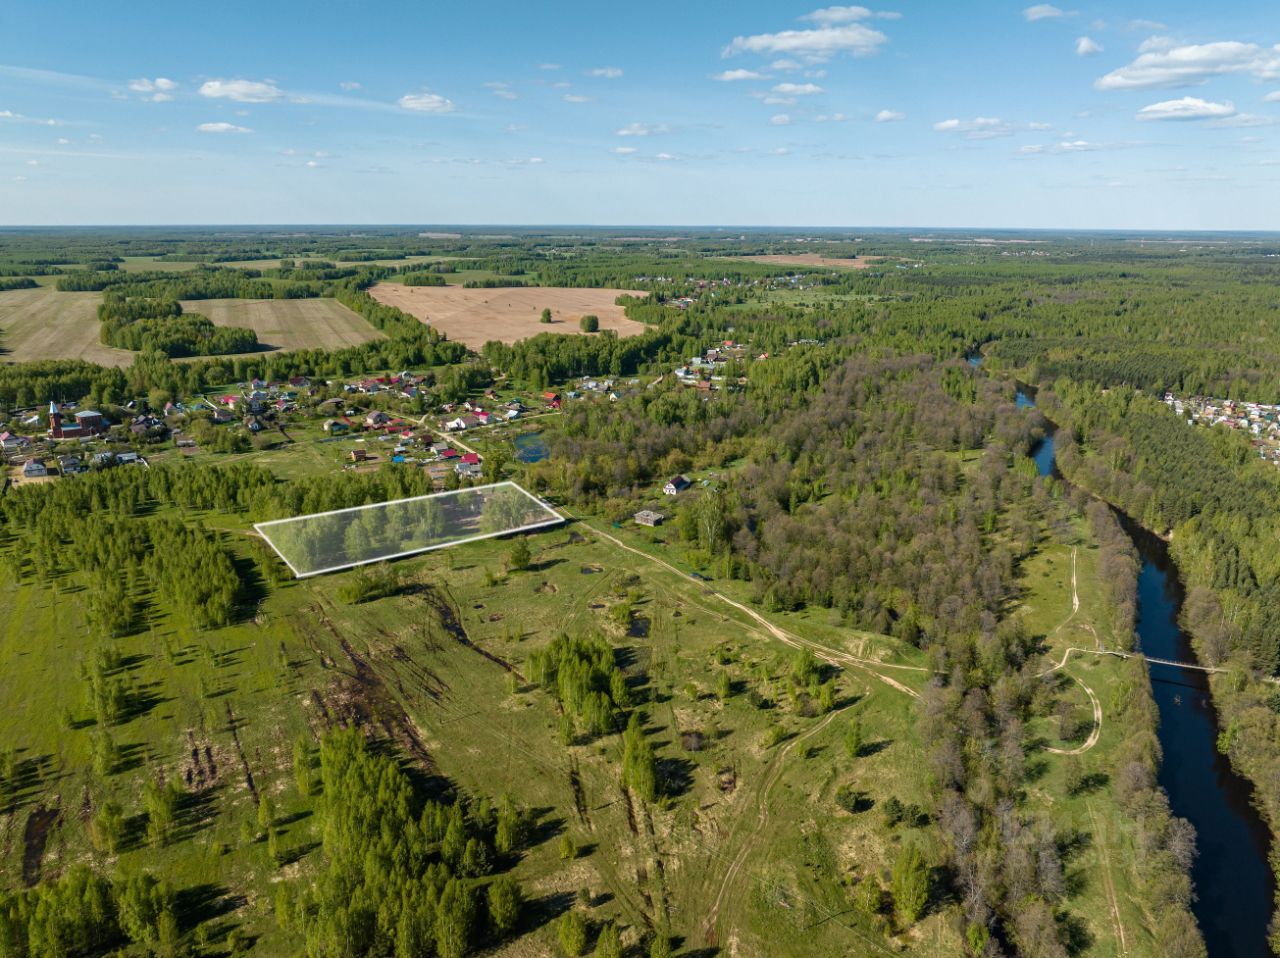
(830, 15)
(1171, 66)
(798, 89)
(425, 102)
(312, 164)
(779, 151)
(979, 128)
(33, 162)
(502, 90)
(1187, 108)
(814, 45)
(222, 127)
(1031, 149)
(890, 116)
(607, 73)
(772, 100)
(1272, 97)
(1243, 120)
(731, 76)
(1087, 47)
(831, 118)
(780, 119)
(1042, 11)
(242, 91)
(786, 64)
(348, 85)
(1040, 127)
(548, 66)
(624, 150)
(158, 90)
(666, 156)
(63, 141)
(575, 98)
(643, 129)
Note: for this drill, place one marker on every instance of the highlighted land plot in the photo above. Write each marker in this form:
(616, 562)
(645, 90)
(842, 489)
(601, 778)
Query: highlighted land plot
(331, 541)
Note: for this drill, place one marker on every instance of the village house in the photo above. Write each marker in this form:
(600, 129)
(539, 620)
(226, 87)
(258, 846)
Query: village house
(34, 469)
(70, 465)
(676, 485)
(334, 427)
(376, 418)
(11, 443)
(359, 455)
(647, 517)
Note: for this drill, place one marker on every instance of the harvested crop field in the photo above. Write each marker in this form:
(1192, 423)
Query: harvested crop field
(474, 317)
(46, 324)
(813, 259)
(290, 323)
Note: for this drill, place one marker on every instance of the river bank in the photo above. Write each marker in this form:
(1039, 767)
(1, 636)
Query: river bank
(1234, 883)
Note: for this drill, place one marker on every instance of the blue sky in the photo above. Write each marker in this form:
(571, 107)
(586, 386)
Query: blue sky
(757, 112)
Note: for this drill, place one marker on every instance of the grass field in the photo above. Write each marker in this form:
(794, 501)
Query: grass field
(476, 316)
(290, 323)
(46, 324)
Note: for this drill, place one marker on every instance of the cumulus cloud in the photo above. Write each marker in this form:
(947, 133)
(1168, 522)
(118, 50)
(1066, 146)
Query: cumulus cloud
(607, 73)
(797, 89)
(979, 128)
(643, 129)
(732, 76)
(1087, 47)
(1187, 108)
(426, 102)
(890, 116)
(1162, 65)
(1272, 97)
(1042, 11)
(241, 91)
(815, 45)
(665, 156)
(222, 127)
(831, 118)
(157, 91)
(780, 119)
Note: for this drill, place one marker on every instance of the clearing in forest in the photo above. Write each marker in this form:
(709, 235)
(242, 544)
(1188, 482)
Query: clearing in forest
(286, 324)
(474, 317)
(43, 323)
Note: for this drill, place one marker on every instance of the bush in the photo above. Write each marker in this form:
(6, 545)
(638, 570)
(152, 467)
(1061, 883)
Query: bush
(589, 324)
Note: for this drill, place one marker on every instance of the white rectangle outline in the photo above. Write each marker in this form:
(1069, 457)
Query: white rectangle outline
(261, 526)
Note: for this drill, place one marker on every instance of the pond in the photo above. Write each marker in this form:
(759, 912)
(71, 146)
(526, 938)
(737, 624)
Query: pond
(531, 447)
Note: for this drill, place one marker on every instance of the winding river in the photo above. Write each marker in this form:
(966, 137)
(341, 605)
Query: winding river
(1234, 884)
